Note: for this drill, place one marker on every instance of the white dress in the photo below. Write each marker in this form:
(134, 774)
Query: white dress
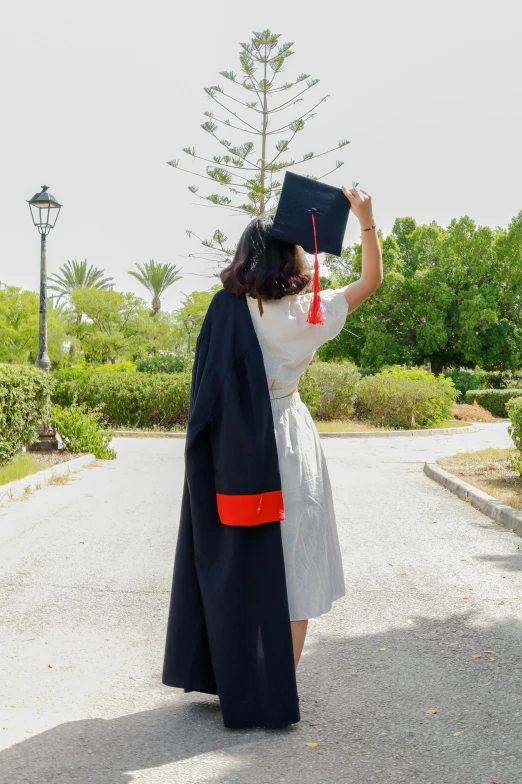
(313, 563)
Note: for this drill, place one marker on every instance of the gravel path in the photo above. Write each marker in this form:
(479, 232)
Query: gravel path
(85, 571)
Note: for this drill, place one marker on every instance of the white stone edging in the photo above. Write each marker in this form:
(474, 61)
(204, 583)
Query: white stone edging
(501, 513)
(27, 484)
(434, 431)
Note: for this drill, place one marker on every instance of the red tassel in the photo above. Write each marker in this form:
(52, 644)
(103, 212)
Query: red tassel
(315, 311)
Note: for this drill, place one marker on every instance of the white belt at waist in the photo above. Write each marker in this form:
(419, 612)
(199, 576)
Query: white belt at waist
(275, 394)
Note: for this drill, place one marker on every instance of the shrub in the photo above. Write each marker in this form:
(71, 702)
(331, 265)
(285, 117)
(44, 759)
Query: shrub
(129, 399)
(495, 379)
(310, 389)
(117, 367)
(24, 392)
(81, 430)
(389, 401)
(84, 370)
(328, 389)
(414, 373)
(493, 400)
(514, 409)
(514, 383)
(467, 379)
(483, 379)
(166, 363)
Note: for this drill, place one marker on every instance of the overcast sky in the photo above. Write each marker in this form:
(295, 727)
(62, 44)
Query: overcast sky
(97, 96)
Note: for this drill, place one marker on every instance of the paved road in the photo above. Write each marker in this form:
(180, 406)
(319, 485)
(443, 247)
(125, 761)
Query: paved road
(85, 572)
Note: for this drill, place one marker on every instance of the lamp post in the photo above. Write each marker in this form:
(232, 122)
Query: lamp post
(189, 323)
(44, 211)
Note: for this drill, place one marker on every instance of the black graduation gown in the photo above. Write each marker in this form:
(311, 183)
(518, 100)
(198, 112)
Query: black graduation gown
(228, 629)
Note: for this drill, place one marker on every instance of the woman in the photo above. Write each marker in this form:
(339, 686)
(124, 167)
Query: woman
(257, 552)
(313, 564)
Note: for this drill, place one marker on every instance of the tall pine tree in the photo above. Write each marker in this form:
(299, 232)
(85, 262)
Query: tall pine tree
(256, 108)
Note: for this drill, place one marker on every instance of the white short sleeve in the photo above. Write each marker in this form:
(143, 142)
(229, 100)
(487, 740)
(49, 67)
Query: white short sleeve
(335, 311)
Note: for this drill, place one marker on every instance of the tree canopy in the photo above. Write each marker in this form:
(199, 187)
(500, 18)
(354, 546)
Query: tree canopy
(450, 297)
(156, 278)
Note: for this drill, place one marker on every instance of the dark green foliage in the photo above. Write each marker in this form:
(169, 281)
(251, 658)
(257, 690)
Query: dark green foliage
(81, 430)
(369, 371)
(328, 389)
(450, 297)
(515, 382)
(181, 362)
(482, 379)
(129, 399)
(493, 400)
(466, 379)
(403, 403)
(24, 392)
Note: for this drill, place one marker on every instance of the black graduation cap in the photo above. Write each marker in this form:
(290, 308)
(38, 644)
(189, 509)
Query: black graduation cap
(313, 215)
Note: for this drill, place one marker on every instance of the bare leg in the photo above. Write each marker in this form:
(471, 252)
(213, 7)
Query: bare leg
(298, 637)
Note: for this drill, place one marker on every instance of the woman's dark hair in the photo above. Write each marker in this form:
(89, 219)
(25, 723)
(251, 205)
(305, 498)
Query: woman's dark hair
(264, 266)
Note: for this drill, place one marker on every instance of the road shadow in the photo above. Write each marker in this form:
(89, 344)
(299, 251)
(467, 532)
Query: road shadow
(507, 563)
(364, 700)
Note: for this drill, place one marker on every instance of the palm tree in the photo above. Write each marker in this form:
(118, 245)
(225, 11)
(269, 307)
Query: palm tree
(77, 275)
(156, 278)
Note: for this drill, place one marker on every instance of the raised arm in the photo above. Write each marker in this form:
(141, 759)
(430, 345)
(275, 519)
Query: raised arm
(371, 275)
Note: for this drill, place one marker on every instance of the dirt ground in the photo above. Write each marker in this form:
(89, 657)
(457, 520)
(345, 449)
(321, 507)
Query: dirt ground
(490, 471)
(50, 459)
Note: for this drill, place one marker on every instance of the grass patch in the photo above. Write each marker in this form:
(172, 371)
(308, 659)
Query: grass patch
(59, 479)
(20, 466)
(359, 426)
(148, 430)
(336, 426)
(345, 426)
(488, 470)
(447, 423)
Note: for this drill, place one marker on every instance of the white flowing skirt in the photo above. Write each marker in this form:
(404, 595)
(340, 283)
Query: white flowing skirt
(313, 562)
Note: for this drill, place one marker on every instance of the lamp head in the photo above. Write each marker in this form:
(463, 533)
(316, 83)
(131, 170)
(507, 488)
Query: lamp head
(44, 210)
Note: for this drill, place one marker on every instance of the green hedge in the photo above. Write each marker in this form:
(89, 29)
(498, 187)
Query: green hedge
(23, 405)
(181, 362)
(328, 389)
(398, 397)
(128, 399)
(465, 380)
(404, 403)
(82, 371)
(493, 400)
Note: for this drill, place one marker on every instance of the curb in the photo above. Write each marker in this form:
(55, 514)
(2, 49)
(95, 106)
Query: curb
(145, 434)
(20, 487)
(501, 513)
(440, 431)
(436, 431)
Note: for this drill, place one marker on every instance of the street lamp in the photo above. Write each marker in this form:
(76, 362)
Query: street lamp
(44, 211)
(189, 323)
